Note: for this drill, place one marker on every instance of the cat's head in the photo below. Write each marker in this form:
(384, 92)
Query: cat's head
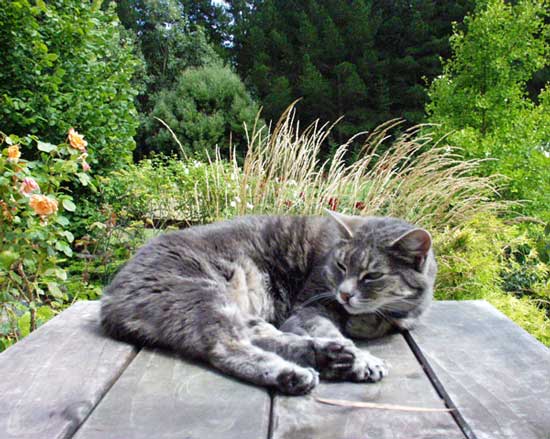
(382, 265)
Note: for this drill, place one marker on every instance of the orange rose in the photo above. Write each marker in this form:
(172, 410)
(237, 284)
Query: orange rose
(29, 185)
(5, 210)
(14, 153)
(76, 140)
(43, 205)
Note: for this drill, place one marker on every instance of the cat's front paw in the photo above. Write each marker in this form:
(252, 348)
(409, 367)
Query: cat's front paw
(333, 357)
(367, 367)
(297, 381)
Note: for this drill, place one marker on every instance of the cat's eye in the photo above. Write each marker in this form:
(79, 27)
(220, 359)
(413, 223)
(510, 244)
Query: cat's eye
(373, 275)
(341, 266)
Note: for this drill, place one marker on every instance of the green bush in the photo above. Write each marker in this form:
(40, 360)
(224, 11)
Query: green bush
(65, 63)
(163, 190)
(208, 106)
(34, 236)
(488, 259)
(482, 97)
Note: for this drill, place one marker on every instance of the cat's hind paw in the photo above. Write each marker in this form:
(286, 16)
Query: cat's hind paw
(297, 381)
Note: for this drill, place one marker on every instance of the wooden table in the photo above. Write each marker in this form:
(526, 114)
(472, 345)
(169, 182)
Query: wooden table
(68, 380)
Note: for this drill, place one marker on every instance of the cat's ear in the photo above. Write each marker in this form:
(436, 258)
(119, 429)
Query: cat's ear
(414, 246)
(347, 223)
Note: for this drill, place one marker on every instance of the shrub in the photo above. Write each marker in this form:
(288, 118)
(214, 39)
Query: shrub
(34, 235)
(208, 106)
(282, 173)
(64, 63)
(483, 97)
(163, 190)
(479, 260)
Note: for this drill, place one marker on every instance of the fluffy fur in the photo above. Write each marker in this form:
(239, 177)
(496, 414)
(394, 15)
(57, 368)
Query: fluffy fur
(267, 298)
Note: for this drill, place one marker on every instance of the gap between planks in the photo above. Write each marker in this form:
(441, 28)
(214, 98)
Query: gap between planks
(438, 386)
(108, 389)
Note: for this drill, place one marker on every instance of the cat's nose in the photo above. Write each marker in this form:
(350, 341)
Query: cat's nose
(346, 297)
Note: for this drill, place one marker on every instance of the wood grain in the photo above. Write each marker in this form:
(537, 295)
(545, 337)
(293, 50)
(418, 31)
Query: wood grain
(305, 418)
(496, 373)
(162, 396)
(51, 380)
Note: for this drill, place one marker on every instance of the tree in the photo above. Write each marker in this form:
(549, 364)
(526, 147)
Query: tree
(168, 42)
(214, 19)
(207, 107)
(66, 64)
(483, 96)
(366, 60)
(287, 50)
(170, 46)
(412, 37)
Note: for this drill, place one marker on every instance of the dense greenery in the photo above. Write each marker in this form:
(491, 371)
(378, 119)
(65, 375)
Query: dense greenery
(186, 83)
(482, 96)
(112, 71)
(35, 237)
(66, 64)
(365, 60)
(205, 108)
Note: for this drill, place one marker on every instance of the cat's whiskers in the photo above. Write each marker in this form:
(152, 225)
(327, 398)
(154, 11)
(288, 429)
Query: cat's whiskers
(321, 296)
(383, 316)
(396, 306)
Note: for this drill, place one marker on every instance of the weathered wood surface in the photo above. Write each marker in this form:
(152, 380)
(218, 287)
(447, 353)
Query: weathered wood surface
(51, 380)
(497, 374)
(407, 384)
(162, 396)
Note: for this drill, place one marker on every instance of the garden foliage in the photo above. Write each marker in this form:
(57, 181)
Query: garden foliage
(486, 258)
(483, 97)
(207, 107)
(69, 64)
(65, 63)
(35, 236)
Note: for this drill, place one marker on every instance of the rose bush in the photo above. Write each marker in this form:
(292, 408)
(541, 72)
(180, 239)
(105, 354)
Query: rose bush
(34, 235)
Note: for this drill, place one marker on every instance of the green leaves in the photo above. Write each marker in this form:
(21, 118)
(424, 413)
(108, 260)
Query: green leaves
(207, 107)
(69, 205)
(66, 65)
(84, 178)
(483, 98)
(7, 258)
(46, 147)
(34, 240)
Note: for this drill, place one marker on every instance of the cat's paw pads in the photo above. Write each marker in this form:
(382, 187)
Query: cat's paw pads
(333, 356)
(367, 367)
(297, 381)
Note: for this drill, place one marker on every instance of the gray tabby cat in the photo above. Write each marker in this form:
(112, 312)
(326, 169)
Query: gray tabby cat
(219, 292)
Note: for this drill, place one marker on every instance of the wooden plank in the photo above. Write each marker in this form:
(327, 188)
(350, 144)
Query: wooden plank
(407, 384)
(51, 380)
(162, 396)
(495, 373)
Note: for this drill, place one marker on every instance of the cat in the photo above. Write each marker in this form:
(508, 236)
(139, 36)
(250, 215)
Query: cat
(267, 298)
